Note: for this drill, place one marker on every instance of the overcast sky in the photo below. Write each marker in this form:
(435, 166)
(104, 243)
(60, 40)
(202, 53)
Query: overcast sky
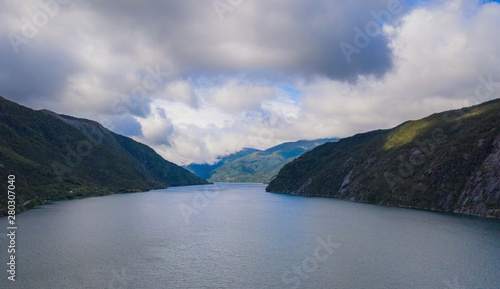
(201, 78)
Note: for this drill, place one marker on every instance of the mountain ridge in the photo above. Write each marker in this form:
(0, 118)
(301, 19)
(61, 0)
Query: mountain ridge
(61, 157)
(262, 166)
(205, 171)
(448, 161)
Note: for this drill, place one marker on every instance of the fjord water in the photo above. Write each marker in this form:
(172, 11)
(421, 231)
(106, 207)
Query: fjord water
(239, 236)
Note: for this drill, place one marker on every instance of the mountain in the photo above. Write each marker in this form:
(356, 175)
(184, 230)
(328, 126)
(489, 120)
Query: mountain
(262, 166)
(448, 162)
(205, 171)
(59, 157)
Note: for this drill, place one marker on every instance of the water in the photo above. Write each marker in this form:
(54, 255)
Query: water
(239, 236)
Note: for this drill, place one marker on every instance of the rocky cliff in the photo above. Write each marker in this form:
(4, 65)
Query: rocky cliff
(448, 162)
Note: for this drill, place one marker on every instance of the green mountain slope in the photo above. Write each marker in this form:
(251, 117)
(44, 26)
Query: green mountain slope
(205, 171)
(56, 157)
(262, 166)
(448, 162)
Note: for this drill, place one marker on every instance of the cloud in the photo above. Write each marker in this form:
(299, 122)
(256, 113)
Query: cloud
(173, 75)
(99, 47)
(289, 37)
(235, 97)
(180, 90)
(41, 72)
(157, 128)
(442, 54)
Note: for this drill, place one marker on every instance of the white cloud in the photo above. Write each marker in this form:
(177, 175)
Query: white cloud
(180, 90)
(439, 55)
(156, 128)
(234, 97)
(224, 89)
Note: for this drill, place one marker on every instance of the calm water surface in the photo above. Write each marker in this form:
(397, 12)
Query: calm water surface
(239, 236)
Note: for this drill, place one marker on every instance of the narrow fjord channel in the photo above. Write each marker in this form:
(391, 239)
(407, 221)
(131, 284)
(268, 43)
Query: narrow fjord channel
(239, 236)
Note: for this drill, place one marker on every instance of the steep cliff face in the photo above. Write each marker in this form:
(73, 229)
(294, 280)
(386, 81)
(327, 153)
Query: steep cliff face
(446, 162)
(481, 194)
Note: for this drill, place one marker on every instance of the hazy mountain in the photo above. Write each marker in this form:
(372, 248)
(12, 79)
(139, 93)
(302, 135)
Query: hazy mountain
(205, 171)
(262, 166)
(56, 157)
(448, 162)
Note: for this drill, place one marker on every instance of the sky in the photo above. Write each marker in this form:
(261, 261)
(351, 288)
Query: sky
(202, 78)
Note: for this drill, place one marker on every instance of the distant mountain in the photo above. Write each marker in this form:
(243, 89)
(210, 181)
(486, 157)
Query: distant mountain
(447, 162)
(262, 166)
(205, 171)
(58, 157)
